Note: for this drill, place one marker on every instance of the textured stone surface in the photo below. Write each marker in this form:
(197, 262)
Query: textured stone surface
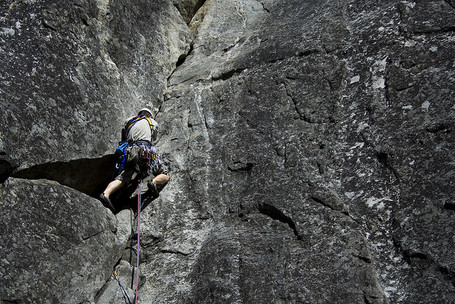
(72, 71)
(334, 121)
(57, 245)
(311, 143)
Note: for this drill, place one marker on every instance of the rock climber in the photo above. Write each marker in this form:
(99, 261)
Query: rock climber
(139, 131)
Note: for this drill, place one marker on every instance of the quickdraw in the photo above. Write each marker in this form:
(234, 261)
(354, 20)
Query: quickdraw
(124, 293)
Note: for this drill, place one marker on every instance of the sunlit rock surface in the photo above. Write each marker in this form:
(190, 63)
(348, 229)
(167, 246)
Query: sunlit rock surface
(311, 147)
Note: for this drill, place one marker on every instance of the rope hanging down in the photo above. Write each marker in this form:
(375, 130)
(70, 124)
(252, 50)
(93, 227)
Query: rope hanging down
(124, 293)
(115, 275)
(138, 235)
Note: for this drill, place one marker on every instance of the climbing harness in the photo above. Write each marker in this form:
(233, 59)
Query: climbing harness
(124, 293)
(138, 235)
(138, 156)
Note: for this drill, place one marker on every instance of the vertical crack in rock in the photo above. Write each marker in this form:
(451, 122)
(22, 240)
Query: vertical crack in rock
(183, 57)
(449, 206)
(383, 158)
(6, 169)
(451, 3)
(188, 9)
(277, 214)
(265, 8)
(300, 115)
(180, 61)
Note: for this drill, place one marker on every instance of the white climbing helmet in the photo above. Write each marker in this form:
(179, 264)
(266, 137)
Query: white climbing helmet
(145, 110)
(154, 123)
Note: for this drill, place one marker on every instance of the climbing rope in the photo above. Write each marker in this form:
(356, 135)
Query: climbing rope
(138, 235)
(124, 293)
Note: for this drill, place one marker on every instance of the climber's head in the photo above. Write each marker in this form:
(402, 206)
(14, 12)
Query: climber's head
(145, 111)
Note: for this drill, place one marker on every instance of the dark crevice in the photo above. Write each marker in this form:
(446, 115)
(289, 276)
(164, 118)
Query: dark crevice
(331, 204)
(265, 9)
(402, 89)
(231, 46)
(444, 30)
(363, 259)
(198, 5)
(370, 299)
(306, 53)
(321, 168)
(419, 259)
(173, 252)
(228, 74)
(183, 57)
(449, 206)
(180, 61)
(92, 235)
(188, 11)
(301, 115)
(89, 176)
(85, 20)
(451, 3)
(424, 261)
(382, 156)
(384, 159)
(440, 127)
(323, 203)
(150, 241)
(6, 169)
(412, 257)
(448, 274)
(240, 167)
(277, 214)
(48, 25)
(302, 53)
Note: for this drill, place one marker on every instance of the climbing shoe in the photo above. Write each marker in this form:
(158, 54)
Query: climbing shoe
(106, 202)
(153, 191)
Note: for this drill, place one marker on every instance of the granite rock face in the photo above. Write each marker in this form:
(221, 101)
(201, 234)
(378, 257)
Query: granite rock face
(72, 71)
(311, 147)
(57, 244)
